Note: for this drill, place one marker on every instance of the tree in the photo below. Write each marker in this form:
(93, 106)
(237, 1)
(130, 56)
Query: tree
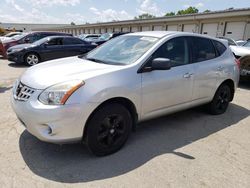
(170, 14)
(144, 16)
(72, 23)
(206, 11)
(189, 10)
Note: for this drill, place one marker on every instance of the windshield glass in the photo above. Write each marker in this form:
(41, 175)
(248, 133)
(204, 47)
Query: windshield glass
(105, 36)
(247, 44)
(18, 37)
(122, 50)
(41, 41)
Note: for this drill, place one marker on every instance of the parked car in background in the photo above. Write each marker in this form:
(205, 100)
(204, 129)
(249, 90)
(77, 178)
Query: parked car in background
(25, 38)
(100, 97)
(231, 42)
(242, 53)
(9, 35)
(89, 37)
(47, 49)
(240, 42)
(107, 36)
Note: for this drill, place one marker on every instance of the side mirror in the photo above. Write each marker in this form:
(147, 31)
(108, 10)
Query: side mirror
(161, 64)
(27, 40)
(45, 45)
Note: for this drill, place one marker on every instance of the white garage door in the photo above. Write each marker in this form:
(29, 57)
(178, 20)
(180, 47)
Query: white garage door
(92, 31)
(158, 28)
(172, 28)
(103, 30)
(134, 29)
(191, 28)
(110, 30)
(125, 29)
(210, 29)
(145, 28)
(117, 29)
(235, 30)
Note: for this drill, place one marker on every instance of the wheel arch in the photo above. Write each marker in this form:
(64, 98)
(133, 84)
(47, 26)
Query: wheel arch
(31, 52)
(127, 103)
(231, 85)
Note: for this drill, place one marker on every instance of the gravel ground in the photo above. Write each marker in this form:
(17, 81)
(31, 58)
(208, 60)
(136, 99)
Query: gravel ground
(187, 149)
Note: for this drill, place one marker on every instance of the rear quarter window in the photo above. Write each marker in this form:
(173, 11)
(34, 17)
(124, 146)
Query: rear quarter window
(219, 47)
(203, 49)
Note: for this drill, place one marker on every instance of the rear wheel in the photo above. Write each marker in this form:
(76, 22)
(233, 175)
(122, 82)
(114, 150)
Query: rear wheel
(31, 59)
(221, 100)
(108, 129)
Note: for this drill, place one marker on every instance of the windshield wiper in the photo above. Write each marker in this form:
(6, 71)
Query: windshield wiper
(96, 60)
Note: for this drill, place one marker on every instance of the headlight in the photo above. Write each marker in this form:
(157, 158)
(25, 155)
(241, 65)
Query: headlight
(59, 93)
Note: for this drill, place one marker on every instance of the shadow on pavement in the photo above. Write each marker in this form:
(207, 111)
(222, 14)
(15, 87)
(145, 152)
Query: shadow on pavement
(74, 164)
(4, 89)
(244, 84)
(16, 65)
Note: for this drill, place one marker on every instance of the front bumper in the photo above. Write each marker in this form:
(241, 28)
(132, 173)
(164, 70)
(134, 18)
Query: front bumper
(54, 124)
(15, 57)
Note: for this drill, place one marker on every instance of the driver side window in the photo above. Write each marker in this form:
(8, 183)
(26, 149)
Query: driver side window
(176, 50)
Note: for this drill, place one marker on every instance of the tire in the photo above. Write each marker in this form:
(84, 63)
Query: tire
(32, 59)
(220, 101)
(108, 129)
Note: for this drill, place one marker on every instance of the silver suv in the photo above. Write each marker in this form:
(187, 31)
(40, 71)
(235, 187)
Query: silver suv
(99, 98)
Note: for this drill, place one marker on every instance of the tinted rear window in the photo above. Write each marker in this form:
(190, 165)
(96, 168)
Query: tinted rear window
(71, 41)
(203, 49)
(219, 47)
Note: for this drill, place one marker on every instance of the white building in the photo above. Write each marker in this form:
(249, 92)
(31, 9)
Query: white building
(233, 23)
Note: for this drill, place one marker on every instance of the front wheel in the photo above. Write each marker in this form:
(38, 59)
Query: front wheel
(108, 129)
(31, 59)
(221, 100)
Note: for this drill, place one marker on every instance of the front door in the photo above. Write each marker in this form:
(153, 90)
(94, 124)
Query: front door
(163, 89)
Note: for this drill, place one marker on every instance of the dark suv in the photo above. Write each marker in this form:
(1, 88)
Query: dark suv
(26, 38)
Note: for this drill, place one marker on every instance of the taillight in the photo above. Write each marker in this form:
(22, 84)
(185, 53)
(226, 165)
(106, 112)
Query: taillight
(237, 61)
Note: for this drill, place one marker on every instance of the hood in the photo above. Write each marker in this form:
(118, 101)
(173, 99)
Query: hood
(4, 38)
(21, 46)
(8, 40)
(240, 50)
(73, 68)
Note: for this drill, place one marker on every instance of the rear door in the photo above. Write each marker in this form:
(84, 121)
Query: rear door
(75, 46)
(164, 89)
(206, 65)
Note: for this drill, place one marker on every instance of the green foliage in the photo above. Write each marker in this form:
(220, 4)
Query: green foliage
(144, 16)
(189, 10)
(170, 14)
(206, 11)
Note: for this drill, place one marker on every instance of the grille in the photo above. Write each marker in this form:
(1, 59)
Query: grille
(23, 92)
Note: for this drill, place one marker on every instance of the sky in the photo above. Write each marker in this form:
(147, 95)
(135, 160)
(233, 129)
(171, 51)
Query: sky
(92, 11)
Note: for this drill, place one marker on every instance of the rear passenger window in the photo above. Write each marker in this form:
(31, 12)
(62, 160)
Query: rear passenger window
(72, 41)
(219, 47)
(203, 49)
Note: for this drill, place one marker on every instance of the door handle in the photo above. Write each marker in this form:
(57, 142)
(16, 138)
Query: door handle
(220, 68)
(188, 75)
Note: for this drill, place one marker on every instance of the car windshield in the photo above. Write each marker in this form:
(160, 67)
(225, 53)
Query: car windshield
(247, 44)
(105, 36)
(122, 50)
(18, 37)
(41, 41)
